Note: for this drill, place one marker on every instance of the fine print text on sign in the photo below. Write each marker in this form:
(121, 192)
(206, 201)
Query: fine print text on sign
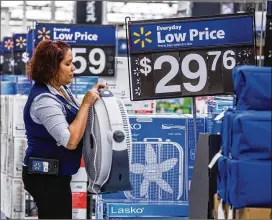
(193, 57)
(93, 47)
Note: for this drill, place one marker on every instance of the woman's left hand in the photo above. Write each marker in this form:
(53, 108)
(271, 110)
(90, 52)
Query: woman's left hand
(100, 86)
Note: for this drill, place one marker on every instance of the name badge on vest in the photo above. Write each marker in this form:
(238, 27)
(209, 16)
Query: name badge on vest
(68, 106)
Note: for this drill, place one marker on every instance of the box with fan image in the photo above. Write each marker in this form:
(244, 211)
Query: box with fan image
(191, 143)
(215, 107)
(82, 84)
(157, 159)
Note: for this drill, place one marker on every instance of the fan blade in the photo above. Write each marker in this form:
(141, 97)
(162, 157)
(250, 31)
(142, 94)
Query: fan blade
(168, 164)
(164, 185)
(144, 187)
(137, 168)
(150, 155)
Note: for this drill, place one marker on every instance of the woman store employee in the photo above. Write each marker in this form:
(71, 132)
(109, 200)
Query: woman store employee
(55, 123)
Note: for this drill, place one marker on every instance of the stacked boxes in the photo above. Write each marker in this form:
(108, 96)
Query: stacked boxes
(215, 109)
(191, 143)
(245, 167)
(13, 145)
(15, 201)
(159, 142)
(79, 193)
(79, 199)
(79, 189)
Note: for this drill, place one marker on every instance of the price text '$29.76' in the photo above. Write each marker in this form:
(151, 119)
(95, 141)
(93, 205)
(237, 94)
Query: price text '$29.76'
(145, 67)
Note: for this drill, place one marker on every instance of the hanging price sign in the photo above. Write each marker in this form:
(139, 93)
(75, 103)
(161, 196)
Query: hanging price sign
(93, 46)
(7, 50)
(19, 53)
(188, 57)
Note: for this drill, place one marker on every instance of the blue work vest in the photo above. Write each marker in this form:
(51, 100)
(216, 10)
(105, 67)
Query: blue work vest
(42, 145)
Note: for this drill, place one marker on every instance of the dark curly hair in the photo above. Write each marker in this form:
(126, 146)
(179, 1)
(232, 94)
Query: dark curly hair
(44, 64)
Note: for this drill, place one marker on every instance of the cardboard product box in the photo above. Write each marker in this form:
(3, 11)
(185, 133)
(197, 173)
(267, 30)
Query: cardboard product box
(3, 191)
(216, 202)
(159, 141)
(16, 126)
(3, 122)
(4, 153)
(17, 147)
(119, 84)
(31, 210)
(253, 213)
(139, 107)
(215, 107)
(81, 175)
(191, 143)
(79, 200)
(15, 199)
(158, 152)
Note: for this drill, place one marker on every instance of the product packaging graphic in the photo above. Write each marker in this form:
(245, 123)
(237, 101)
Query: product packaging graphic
(191, 143)
(159, 163)
(216, 107)
(129, 210)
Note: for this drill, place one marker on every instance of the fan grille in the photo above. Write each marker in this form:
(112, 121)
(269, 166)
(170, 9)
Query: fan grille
(126, 125)
(89, 149)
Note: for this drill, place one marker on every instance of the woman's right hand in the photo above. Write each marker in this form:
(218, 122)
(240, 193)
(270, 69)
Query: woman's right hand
(90, 97)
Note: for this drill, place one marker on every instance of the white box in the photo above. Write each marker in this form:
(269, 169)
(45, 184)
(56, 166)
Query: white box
(4, 153)
(15, 199)
(17, 147)
(3, 123)
(119, 84)
(81, 175)
(79, 200)
(16, 126)
(3, 193)
(139, 107)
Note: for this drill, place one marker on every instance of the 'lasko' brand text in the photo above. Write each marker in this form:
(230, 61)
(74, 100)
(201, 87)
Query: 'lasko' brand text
(64, 34)
(193, 34)
(130, 210)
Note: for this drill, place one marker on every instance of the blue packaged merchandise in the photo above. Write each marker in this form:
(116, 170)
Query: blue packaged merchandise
(222, 178)
(252, 86)
(216, 107)
(225, 130)
(249, 184)
(246, 135)
(190, 141)
(251, 136)
(158, 163)
(158, 158)
(8, 88)
(82, 84)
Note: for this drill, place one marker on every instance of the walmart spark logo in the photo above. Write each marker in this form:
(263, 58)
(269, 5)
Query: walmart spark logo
(44, 34)
(142, 37)
(20, 42)
(8, 44)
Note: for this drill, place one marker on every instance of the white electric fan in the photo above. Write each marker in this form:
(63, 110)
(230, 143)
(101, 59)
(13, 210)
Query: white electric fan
(107, 142)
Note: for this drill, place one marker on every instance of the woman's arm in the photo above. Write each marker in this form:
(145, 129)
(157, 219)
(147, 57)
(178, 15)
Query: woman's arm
(47, 110)
(78, 126)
